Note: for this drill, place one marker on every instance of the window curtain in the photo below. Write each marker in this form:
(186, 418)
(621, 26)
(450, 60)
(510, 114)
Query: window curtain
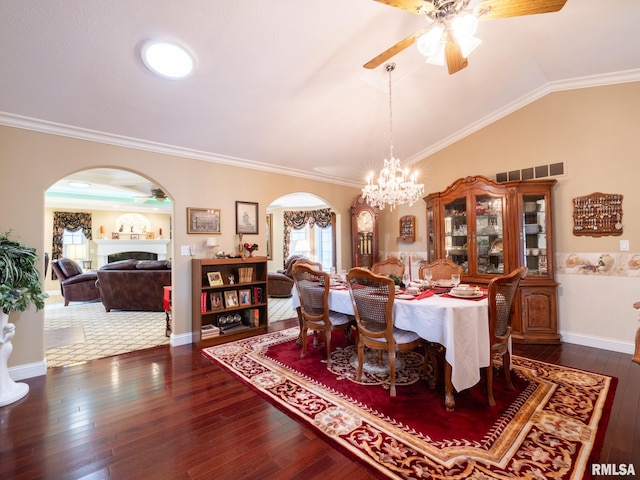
(71, 221)
(299, 219)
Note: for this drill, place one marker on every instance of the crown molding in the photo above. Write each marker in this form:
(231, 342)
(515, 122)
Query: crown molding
(602, 80)
(44, 126)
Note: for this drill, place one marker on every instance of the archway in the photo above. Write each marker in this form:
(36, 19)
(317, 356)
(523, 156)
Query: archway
(84, 330)
(324, 251)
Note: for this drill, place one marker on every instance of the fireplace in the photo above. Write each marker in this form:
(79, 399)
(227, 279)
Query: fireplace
(126, 249)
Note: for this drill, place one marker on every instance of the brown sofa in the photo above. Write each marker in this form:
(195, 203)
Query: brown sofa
(134, 284)
(280, 283)
(75, 285)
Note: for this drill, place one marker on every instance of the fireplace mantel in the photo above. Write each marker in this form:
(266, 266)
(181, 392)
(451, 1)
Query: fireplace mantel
(110, 247)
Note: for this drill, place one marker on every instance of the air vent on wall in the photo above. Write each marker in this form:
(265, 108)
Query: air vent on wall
(541, 171)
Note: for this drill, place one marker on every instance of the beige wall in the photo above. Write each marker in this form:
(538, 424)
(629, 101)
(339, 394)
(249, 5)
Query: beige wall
(32, 162)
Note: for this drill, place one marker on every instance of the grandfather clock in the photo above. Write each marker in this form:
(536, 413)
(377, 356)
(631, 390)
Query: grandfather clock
(364, 233)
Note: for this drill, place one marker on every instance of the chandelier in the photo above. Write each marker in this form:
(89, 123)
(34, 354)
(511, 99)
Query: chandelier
(394, 186)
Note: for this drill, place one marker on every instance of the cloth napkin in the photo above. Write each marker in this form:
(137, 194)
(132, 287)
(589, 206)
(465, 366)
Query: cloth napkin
(425, 294)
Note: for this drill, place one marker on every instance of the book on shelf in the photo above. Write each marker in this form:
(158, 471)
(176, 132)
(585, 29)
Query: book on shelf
(203, 302)
(245, 274)
(209, 330)
(257, 295)
(252, 317)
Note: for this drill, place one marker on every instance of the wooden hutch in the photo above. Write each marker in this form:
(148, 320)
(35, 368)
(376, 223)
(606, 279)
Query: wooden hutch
(493, 228)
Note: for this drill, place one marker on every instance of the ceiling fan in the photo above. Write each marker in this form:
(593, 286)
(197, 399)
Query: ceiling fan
(449, 36)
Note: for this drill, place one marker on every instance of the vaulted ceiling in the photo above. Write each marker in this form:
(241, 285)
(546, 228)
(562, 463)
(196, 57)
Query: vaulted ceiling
(279, 84)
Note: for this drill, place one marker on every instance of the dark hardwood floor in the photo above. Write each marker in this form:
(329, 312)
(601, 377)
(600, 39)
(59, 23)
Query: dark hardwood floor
(171, 413)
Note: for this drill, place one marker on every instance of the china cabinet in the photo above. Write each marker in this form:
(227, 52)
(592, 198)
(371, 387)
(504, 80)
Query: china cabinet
(364, 233)
(490, 229)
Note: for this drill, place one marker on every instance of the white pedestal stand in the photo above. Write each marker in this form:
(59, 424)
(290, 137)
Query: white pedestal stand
(10, 391)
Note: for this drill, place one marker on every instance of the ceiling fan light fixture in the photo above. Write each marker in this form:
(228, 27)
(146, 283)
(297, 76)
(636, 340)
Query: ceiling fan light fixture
(464, 28)
(431, 45)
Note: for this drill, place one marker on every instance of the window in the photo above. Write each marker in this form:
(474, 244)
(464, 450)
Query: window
(75, 245)
(314, 243)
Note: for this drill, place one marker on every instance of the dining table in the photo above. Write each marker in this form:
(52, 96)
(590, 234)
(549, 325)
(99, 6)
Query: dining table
(460, 325)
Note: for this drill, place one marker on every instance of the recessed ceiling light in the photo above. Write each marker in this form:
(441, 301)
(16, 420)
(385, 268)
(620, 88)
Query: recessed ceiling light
(167, 59)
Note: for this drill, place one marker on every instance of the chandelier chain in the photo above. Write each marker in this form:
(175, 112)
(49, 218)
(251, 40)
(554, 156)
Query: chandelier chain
(394, 185)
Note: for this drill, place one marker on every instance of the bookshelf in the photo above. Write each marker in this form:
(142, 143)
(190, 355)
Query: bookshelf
(223, 311)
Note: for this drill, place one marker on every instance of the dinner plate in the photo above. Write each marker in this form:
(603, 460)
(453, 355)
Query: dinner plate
(443, 283)
(405, 296)
(474, 295)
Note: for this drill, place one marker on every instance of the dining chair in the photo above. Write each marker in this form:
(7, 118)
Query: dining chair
(390, 266)
(372, 297)
(441, 269)
(501, 297)
(313, 285)
(316, 265)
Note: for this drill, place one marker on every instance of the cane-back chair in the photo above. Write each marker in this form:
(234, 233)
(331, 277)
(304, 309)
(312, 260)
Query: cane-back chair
(312, 285)
(441, 270)
(390, 266)
(501, 296)
(372, 297)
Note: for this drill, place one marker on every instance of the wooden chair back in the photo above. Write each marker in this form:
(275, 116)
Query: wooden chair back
(372, 297)
(390, 266)
(312, 285)
(501, 295)
(441, 270)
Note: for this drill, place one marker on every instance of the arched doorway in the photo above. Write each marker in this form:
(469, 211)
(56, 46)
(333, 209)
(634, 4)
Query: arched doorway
(306, 237)
(105, 199)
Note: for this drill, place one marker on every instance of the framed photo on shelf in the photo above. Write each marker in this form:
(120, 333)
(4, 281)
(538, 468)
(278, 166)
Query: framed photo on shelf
(230, 299)
(203, 220)
(216, 301)
(151, 236)
(247, 217)
(115, 236)
(215, 279)
(245, 296)
(134, 236)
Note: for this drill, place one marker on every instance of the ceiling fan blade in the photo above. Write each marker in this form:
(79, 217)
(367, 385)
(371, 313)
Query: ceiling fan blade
(453, 54)
(409, 5)
(517, 8)
(397, 48)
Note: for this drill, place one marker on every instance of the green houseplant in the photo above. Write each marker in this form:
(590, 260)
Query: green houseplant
(19, 287)
(19, 278)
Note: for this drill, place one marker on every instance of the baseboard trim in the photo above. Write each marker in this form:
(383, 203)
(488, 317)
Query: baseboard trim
(181, 339)
(598, 342)
(28, 370)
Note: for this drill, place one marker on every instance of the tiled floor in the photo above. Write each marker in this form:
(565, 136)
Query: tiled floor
(84, 331)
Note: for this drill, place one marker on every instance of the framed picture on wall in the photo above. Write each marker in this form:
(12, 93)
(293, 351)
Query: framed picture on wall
(247, 217)
(203, 220)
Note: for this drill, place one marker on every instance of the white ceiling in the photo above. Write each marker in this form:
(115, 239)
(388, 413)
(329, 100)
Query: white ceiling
(279, 84)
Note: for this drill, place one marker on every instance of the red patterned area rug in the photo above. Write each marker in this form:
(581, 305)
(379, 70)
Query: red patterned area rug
(551, 426)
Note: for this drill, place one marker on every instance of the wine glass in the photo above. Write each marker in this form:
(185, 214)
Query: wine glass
(428, 275)
(455, 279)
(406, 279)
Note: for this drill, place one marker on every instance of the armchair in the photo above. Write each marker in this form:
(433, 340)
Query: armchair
(75, 285)
(280, 283)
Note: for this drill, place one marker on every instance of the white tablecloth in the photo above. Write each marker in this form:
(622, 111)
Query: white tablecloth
(461, 326)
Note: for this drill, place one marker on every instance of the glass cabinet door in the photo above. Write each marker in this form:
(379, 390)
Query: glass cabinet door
(489, 234)
(455, 232)
(534, 225)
